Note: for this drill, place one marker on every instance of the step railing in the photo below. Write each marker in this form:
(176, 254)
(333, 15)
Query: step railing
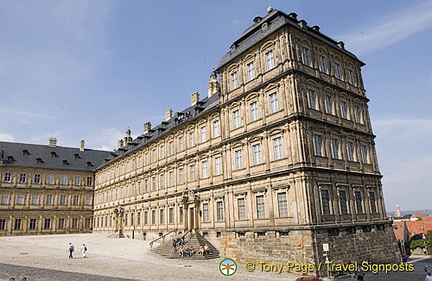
(161, 237)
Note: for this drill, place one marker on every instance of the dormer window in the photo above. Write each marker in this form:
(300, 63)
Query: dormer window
(53, 154)
(26, 152)
(10, 158)
(89, 164)
(39, 160)
(76, 155)
(65, 162)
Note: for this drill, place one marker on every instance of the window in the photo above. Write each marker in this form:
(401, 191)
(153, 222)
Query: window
(5, 198)
(17, 224)
(47, 223)
(256, 148)
(77, 180)
(238, 159)
(203, 134)
(282, 204)
(305, 56)
(358, 114)
(7, 177)
(22, 178)
(171, 215)
(318, 145)
(322, 64)
(170, 148)
(205, 213)
(162, 181)
(204, 169)
(62, 200)
(236, 119)
(269, 60)
(75, 223)
(219, 211)
(88, 200)
(343, 202)
(64, 180)
(171, 178)
(153, 217)
(180, 144)
(162, 151)
(338, 72)
(50, 179)
(20, 199)
(344, 110)
(35, 199)
(146, 185)
(37, 178)
(181, 215)
(153, 155)
(312, 100)
(218, 166)
(181, 176)
(350, 147)
(89, 181)
(2, 224)
(325, 201)
(192, 172)
(32, 224)
(260, 206)
(75, 200)
(329, 105)
(139, 218)
(350, 77)
(241, 205)
(146, 158)
(234, 82)
(277, 148)
(145, 217)
(372, 202)
(359, 203)
(216, 128)
(87, 222)
(251, 71)
(191, 139)
(153, 182)
(335, 148)
(49, 199)
(61, 223)
(364, 154)
(254, 111)
(274, 105)
(162, 216)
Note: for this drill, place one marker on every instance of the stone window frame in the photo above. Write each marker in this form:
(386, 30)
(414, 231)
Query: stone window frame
(241, 194)
(250, 60)
(365, 153)
(325, 186)
(359, 189)
(281, 189)
(254, 143)
(306, 53)
(256, 192)
(374, 190)
(345, 188)
(275, 134)
(171, 214)
(220, 212)
(234, 75)
(318, 151)
(206, 217)
(336, 152)
(265, 50)
(217, 154)
(236, 164)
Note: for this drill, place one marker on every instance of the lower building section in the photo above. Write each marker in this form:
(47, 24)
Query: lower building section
(34, 222)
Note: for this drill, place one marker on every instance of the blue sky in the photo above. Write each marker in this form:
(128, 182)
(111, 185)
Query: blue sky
(91, 69)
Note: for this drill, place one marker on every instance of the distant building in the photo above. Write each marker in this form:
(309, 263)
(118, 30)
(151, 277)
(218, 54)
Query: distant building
(47, 189)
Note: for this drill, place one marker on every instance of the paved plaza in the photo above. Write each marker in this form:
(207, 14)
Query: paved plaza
(46, 258)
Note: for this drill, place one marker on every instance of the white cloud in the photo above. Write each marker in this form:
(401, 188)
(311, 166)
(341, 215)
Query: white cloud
(390, 29)
(396, 129)
(6, 137)
(105, 139)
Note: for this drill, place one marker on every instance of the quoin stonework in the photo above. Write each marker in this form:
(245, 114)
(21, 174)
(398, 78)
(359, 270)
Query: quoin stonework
(275, 161)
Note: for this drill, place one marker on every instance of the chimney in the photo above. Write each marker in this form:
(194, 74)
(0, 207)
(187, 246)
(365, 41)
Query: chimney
(127, 138)
(168, 114)
(213, 86)
(82, 143)
(195, 98)
(147, 127)
(120, 143)
(52, 142)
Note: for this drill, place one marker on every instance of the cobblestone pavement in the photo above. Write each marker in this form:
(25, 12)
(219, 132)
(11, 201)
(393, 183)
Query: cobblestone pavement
(45, 258)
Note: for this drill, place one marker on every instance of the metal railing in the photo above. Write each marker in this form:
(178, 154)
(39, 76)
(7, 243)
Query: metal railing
(161, 237)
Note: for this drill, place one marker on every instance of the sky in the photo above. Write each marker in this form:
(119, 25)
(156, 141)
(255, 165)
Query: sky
(90, 69)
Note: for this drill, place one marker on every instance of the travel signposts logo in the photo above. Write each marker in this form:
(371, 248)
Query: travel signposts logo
(228, 267)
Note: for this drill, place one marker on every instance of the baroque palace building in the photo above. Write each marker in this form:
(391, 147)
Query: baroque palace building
(276, 161)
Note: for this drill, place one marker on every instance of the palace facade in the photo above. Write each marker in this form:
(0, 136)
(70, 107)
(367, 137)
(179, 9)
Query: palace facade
(277, 163)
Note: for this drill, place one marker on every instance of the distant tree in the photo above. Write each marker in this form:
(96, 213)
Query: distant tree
(413, 244)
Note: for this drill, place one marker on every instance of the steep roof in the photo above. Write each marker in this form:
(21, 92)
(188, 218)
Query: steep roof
(47, 157)
(274, 20)
(178, 119)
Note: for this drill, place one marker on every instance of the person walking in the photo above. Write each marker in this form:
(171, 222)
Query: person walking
(71, 249)
(84, 250)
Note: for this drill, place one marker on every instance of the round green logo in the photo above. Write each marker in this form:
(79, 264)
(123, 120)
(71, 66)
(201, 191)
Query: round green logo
(228, 267)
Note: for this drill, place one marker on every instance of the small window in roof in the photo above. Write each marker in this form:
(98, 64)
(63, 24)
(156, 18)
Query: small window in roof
(77, 156)
(89, 164)
(53, 154)
(26, 152)
(65, 162)
(10, 158)
(39, 160)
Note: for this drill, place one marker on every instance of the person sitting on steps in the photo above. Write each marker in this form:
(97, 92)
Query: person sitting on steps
(201, 250)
